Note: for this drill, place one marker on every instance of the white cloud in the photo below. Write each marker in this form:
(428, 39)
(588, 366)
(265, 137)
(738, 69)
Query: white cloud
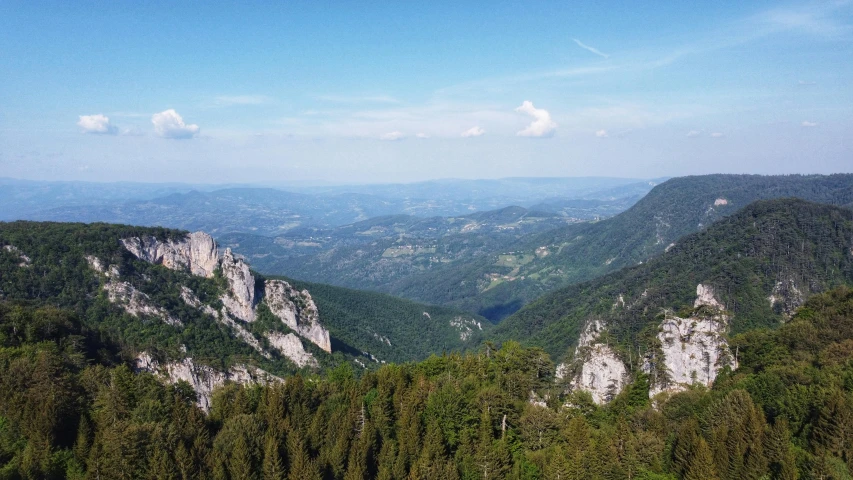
(591, 49)
(809, 124)
(422, 135)
(542, 126)
(806, 82)
(168, 124)
(474, 132)
(601, 133)
(238, 100)
(97, 124)
(693, 133)
(717, 135)
(395, 135)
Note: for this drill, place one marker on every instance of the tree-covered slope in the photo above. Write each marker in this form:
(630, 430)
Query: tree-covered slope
(762, 262)
(68, 412)
(390, 328)
(145, 307)
(495, 287)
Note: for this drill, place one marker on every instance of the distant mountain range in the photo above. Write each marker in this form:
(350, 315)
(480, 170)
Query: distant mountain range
(498, 283)
(272, 211)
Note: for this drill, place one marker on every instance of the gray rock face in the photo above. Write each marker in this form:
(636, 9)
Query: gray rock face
(786, 297)
(602, 373)
(196, 252)
(694, 349)
(296, 310)
(137, 303)
(291, 347)
(202, 378)
(240, 297)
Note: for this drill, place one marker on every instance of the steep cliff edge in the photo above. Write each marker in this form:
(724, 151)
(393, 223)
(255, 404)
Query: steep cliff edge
(298, 311)
(197, 253)
(693, 350)
(598, 369)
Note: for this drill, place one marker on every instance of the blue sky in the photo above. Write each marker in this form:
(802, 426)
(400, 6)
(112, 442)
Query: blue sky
(403, 91)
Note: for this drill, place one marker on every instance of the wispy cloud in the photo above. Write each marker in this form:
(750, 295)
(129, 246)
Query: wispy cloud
(240, 100)
(820, 19)
(601, 133)
(395, 135)
(693, 133)
(357, 99)
(717, 135)
(473, 132)
(591, 49)
(808, 124)
(542, 125)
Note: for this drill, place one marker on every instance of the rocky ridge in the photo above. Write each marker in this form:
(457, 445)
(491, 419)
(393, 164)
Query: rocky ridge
(599, 370)
(202, 378)
(693, 350)
(197, 253)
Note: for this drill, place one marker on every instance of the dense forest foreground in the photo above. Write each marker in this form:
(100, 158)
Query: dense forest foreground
(70, 407)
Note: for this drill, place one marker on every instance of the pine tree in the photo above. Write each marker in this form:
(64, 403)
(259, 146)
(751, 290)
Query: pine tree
(273, 468)
(777, 447)
(558, 467)
(240, 461)
(301, 466)
(701, 465)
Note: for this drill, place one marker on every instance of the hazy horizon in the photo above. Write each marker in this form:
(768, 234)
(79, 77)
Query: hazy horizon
(161, 92)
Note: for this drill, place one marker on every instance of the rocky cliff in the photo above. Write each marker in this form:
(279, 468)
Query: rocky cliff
(597, 368)
(197, 253)
(202, 378)
(692, 351)
(297, 310)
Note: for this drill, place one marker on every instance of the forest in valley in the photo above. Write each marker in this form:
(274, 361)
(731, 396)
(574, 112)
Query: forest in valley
(70, 407)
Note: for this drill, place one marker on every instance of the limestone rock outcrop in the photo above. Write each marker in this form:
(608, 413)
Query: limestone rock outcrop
(599, 370)
(196, 252)
(297, 310)
(291, 347)
(693, 350)
(240, 297)
(25, 261)
(465, 326)
(202, 378)
(786, 297)
(136, 303)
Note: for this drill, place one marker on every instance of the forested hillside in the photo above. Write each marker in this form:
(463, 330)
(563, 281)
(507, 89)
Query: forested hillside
(68, 410)
(762, 262)
(390, 328)
(145, 307)
(498, 284)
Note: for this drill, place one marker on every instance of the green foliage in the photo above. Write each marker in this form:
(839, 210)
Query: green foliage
(64, 415)
(390, 328)
(767, 246)
(580, 252)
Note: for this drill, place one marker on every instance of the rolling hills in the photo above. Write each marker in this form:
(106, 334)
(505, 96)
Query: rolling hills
(758, 265)
(497, 284)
